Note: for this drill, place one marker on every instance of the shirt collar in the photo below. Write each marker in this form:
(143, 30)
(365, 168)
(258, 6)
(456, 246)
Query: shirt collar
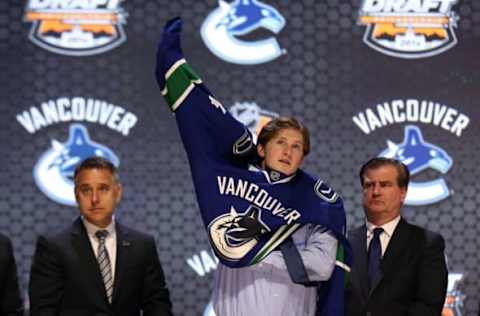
(92, 229)
(388, 228)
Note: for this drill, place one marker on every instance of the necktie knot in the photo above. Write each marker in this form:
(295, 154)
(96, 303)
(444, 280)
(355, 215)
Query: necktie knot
(377, 232)
(101, 235)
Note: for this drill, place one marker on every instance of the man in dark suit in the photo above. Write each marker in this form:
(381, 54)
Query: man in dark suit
(10, 299)
(97, 266)
(398, 268)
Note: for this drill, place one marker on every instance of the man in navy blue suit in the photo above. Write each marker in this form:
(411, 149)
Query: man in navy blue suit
(399, 269)
(97, 266)
(10, 299)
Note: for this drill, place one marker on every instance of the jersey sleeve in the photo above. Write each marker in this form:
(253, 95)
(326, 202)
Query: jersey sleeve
(206, 127)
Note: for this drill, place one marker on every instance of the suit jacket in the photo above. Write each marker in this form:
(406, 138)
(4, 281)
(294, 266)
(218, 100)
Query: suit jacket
(65, 278)
(413, 277)
(10, 299)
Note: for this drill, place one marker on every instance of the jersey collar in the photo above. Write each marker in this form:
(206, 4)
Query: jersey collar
(272, 176)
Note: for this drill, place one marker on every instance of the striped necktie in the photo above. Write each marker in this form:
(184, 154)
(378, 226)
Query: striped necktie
(104, 263)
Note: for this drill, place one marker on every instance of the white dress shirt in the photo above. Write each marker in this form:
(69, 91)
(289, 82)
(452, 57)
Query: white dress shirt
(110, 241)
(266, 287)
(386, 235)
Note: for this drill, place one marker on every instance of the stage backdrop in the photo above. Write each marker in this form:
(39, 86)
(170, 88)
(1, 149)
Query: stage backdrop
(375, 77)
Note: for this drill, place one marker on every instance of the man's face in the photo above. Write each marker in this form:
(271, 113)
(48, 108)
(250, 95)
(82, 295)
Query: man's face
(97, 193)
(284, 152)
(382, 197)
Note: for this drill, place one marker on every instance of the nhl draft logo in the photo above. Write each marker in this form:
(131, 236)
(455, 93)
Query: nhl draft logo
(53, 172)
(409, 28)
(234, 234)
(252, 116)
(454, 301)
(76, 28)
(418, 155)
(223, 28)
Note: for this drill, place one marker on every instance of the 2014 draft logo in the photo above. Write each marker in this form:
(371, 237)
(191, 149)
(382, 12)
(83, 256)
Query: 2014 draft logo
(53, 172)
(76, 28)
(454, 300)
(223, 28)
(417, 153)
(252, 116)
(409, 28)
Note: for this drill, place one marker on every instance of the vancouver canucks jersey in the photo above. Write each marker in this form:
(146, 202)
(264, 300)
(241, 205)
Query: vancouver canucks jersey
(247, 211)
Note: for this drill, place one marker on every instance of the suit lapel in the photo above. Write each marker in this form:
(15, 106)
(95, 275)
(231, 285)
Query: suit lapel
(359, 246)
(123, 246)
(396, 246)
(88, 262)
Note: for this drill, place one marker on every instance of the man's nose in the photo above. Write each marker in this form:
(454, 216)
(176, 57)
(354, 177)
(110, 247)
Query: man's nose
(95, 197)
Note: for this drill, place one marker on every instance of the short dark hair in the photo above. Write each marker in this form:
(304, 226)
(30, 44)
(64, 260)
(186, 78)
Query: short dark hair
(96, 162)
(271, 129)
(403, 177)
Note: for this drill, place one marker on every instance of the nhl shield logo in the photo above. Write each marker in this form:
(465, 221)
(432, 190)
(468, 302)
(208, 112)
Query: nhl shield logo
(76, 28)
(252, 116)
(409, 29)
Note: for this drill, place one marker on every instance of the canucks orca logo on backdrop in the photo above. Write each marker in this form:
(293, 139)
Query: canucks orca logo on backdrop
(222, 28)
(53, 172)
(76, 28)
(234, 234)
(409, 28)
(252, 116)
(419, 155)
(208, 311)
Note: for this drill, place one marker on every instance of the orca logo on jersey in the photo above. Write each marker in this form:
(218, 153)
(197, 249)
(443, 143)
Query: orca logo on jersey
(223, 26)
(418, 155)
(409, 28)
(53, 172)
(234, 234)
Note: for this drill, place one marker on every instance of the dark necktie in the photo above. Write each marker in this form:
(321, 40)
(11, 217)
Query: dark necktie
(374, 255)
(104, 263)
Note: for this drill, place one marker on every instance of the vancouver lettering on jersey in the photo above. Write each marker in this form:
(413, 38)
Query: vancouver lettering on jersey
(254, 194)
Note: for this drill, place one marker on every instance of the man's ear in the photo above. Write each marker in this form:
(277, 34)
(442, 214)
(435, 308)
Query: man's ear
(261, 151)
(404, 194)
(75, 192)
(119, 189)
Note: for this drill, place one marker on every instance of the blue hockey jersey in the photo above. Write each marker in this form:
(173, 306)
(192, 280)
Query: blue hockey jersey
(246, 210)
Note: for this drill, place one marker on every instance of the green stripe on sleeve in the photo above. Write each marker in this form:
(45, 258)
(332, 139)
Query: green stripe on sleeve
(180, 82)
(281, 234)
